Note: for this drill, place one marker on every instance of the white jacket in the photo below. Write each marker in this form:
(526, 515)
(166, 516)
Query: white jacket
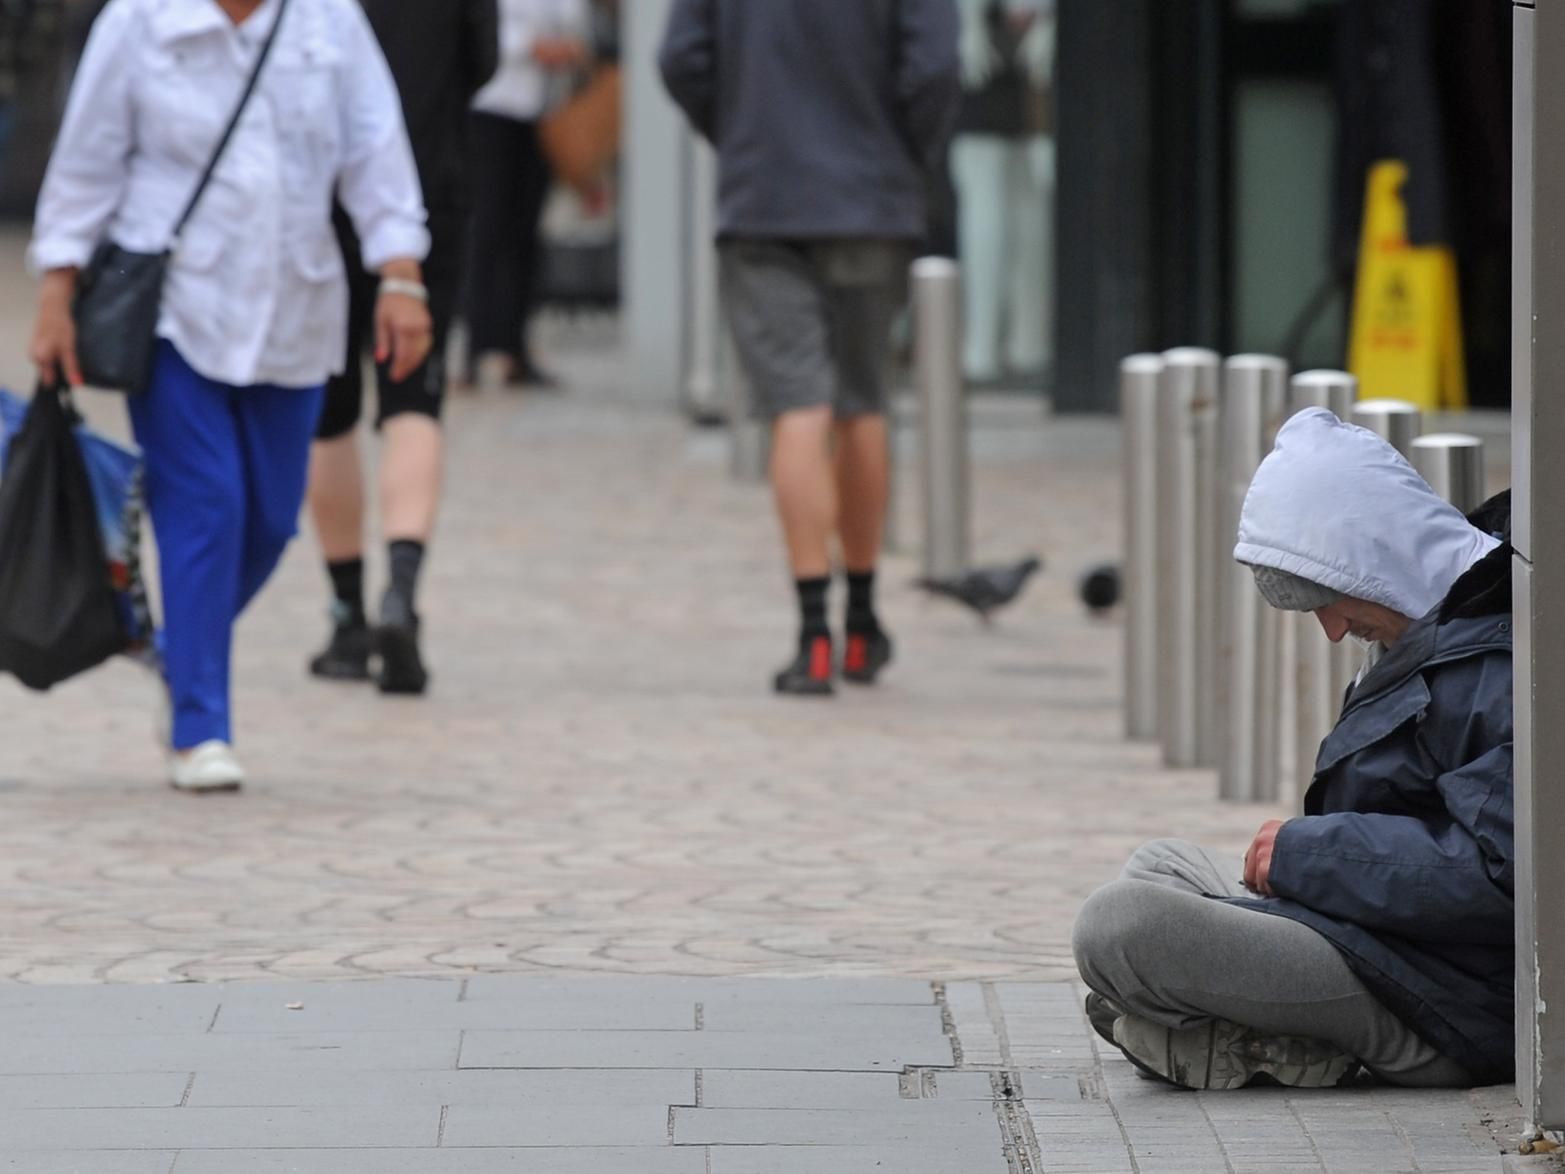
(1335, 504)
(256, 292)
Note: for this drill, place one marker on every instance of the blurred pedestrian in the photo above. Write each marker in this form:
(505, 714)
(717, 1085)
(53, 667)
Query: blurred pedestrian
(440, 54)
(254, 309)
(829, 120)
(542, 44)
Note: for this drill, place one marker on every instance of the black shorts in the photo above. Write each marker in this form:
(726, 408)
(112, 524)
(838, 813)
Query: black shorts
(422, 392)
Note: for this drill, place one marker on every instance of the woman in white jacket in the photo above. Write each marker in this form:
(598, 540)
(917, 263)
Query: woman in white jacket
(254, 310)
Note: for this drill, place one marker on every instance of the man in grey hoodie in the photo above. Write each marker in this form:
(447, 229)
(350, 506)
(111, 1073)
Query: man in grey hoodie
(828, 118)
(1376, 929)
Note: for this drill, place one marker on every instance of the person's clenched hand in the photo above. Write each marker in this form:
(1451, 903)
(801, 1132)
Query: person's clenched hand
(1258, 860)
(404, 333)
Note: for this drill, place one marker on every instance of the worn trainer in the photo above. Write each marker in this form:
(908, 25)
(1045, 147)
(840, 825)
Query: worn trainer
(1102, 1014)
(1220, 1054)
(401, 665)
(209, 767)
(864, 655)
(809, 673)
(346, 656)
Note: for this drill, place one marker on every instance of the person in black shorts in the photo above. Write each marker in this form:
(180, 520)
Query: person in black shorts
(440, 56)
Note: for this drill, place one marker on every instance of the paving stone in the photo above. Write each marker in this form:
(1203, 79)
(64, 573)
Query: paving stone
(586, 1160)
(306, 1007)
(88, 1162)
(819, 1159)
(525, 1125)
(70, 1129)
(97, 1010)
(303, 1052)
(738, 1089)
(825, 1019)
(847, 992)
(697, 1049)
(141, 1090)
(902, 1124)
(613, 1089)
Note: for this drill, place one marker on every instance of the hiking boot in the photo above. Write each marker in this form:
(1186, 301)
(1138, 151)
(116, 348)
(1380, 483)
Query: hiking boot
(865, 655)
(402, 669)
(809, 675)
(347, 656)
(1223, 1055)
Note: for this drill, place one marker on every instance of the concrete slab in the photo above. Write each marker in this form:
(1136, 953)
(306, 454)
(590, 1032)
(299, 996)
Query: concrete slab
(142, 1090)
(301, 1052)
(88, 1162)
(476, 1087)
(698, 1049)
(587, 1160)
(817, 1159)
(732, 1089)
(906, 1124)
(116, 1129)
(738, 989)
(569, 1125)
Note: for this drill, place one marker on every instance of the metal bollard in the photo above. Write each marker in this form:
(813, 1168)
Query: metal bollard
(1322, 670)
(703, 317)
(1186, 415)
(1138, 392)
(1394, 421)
(937, 374)
(1254, 397)
(1452, 463)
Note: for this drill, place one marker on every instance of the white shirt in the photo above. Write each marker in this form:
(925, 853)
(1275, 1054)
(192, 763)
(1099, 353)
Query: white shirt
(256, 291)
(521, 88)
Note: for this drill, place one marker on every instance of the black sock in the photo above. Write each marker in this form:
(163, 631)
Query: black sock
(861, 602)
(405, 556)
(347, 588)
(812, 607)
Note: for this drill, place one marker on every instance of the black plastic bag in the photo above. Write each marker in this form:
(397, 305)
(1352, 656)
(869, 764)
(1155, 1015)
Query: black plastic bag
(58, 614)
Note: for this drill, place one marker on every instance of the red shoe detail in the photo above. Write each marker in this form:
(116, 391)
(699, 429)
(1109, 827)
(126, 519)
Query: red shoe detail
(856, 659)
(820, 659)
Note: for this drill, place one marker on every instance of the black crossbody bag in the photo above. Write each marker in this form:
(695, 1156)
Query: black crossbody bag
(119, 295)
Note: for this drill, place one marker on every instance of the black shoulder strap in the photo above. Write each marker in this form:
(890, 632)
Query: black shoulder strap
(233, 124)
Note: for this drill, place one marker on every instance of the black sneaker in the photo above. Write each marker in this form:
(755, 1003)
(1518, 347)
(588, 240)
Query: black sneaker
(867, 652)
(347, 656)
(810, 673)
(401, 667)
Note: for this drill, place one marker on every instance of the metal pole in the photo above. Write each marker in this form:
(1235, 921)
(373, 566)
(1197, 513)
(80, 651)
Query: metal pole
(1322, 670)
(1185, 411)
(703, 345)
(937, 374)
(1254, 395)
(749, 437)
(1138, 393)
(1452, 463)
(1395, 421)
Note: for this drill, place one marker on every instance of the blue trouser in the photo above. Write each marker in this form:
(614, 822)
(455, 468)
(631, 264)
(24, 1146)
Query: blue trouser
(226, 472)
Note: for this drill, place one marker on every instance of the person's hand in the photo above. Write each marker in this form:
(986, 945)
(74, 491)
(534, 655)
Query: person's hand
(53, 347)
(559, 52)
(404, 331)
(1258, 860)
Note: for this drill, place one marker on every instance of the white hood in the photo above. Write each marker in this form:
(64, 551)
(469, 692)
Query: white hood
(1335, 504)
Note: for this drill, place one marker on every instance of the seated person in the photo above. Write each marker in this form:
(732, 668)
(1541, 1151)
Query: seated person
(1377, 929)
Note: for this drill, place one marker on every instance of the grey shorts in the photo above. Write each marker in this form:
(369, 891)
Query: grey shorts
(812, 320)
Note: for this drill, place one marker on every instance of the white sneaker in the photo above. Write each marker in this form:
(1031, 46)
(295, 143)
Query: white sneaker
(211, 766)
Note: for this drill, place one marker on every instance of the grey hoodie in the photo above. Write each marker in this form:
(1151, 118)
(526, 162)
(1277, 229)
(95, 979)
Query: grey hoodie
(1335, 504)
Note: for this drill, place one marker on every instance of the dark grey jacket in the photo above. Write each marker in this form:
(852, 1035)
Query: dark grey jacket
(1405, 857)
(828, 115)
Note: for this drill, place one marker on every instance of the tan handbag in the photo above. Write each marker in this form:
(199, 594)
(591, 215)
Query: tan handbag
(582, 137)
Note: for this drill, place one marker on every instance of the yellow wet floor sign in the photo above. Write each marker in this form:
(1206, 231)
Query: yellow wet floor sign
(1407, 321)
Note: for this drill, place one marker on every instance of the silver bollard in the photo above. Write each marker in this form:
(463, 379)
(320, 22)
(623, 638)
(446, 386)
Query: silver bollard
(703, 317)
(1452, 463)
(1138, 392)
(937, 374)
(1322, 670)
(1254, 397)
(1186, 415)
(1395, 421)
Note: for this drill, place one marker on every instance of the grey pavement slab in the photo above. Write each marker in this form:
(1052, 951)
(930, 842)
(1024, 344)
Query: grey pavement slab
(584, 1160)
(570, 1125)
(141, 1090)
(848, 992)
(739, 1089)
(908, 1123)
(480, 1087)
(699, 1049)
(163, 1009)
(821, 1159)
(88, 1162)
(825, 1019)
(314, 1051)
(556, 1013)
(114, 1129)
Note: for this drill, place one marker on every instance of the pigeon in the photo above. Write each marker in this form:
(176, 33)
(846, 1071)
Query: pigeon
(986, 589)
(1100, 589)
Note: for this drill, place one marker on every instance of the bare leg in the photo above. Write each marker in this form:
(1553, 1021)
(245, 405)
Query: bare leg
(805, 488)
(411, 465)
(863, 484)
(337, 497)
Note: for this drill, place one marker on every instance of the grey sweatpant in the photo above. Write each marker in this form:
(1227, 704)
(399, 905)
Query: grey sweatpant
(1155, 944)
